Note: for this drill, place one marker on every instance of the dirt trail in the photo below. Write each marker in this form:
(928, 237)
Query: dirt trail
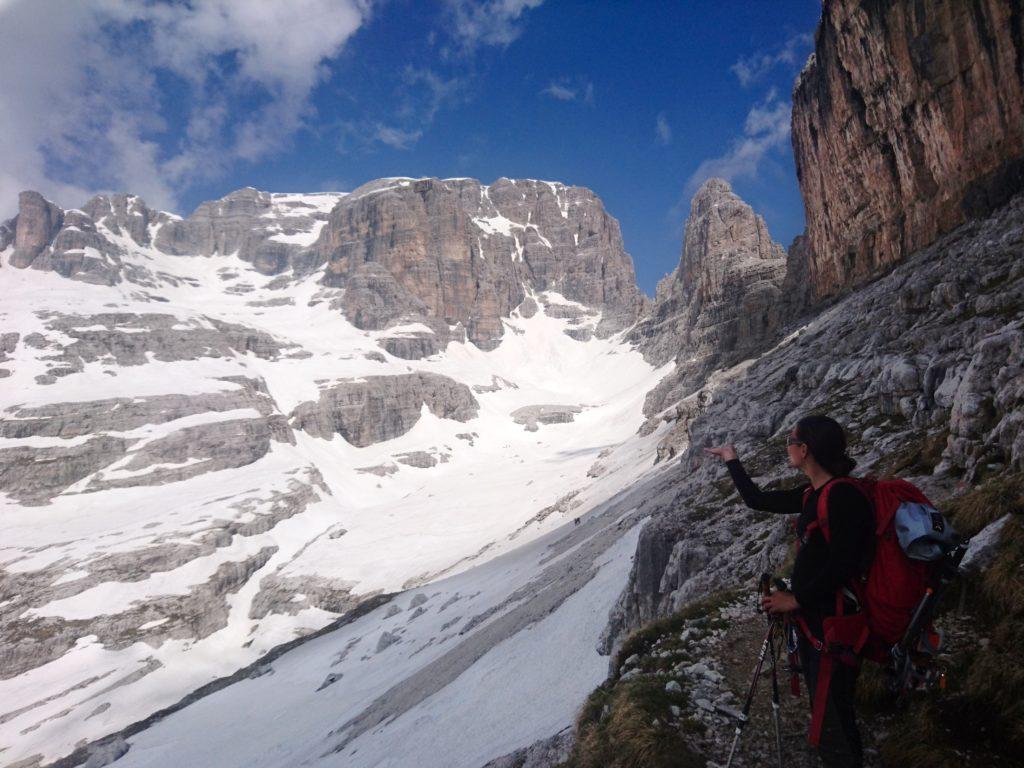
(737, 651)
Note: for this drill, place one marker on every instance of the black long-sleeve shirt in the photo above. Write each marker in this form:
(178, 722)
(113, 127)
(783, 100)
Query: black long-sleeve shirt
(822, 567)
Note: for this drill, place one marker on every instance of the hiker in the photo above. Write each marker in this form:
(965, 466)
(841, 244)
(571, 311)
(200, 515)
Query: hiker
(817, 447)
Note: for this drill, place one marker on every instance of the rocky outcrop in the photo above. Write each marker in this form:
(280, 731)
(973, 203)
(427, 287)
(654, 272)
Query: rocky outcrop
(7, 234)
(124, 215)
(88, 417)
(907, 120)
(123, 339)
(532, 415)
(34, 473)
(265, 229)
(36, 224)
(291, 594)
(723, 302)
(459, 252)
(8, 343)
(546, 753)
(377, 408)
(924, 369)
(33, 641)
(71, 243)
(90, 244)
(195, 450)
(30, 639)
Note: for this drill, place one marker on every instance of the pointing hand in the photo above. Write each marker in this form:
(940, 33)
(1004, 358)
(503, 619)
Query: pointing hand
(725, 452)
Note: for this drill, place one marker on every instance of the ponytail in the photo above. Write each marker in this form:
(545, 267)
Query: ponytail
(826, 442)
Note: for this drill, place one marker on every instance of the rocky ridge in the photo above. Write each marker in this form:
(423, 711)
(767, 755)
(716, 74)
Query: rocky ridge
(721, 304)
(447, 259)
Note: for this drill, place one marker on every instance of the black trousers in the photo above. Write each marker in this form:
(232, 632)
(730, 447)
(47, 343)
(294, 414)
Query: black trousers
(840, 745)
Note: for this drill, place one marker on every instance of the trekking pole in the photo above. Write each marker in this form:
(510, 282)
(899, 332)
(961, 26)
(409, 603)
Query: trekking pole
(776, 719)
(744, 716)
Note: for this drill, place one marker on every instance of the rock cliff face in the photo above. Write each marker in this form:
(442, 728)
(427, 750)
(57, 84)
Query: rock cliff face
(907, 121)
(378, 408)
(268, 230)
(265, 229)
(459, 252)
(722, 302)
(37, 223)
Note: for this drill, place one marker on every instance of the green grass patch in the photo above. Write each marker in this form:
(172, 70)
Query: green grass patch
(972, 511)
(643, 640)
(628, 723)
(916, 457)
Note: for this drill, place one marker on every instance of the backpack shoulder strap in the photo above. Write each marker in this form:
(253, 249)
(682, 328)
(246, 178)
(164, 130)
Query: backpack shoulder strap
(822, 522)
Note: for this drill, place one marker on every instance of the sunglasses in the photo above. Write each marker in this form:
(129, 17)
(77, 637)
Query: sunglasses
(790, 440)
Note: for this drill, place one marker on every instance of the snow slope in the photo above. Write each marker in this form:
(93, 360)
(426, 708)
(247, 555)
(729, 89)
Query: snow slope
(212, 568)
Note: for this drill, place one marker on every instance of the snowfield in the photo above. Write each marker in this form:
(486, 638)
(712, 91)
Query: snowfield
(503, 557)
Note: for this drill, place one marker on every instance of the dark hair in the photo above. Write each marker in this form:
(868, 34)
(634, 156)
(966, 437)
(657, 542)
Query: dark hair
(826, 442)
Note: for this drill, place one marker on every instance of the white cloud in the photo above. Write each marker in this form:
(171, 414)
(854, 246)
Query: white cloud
(396, 138)
(569, 89)
(420, 95)
(766, 128)
(560, 92)
(663, 130)
(491, 22)
(79, 100)
(752, 68)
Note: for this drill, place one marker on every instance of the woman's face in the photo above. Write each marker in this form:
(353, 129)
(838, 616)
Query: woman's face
(795, 449)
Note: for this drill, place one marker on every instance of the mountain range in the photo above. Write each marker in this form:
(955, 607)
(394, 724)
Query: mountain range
(387, 477)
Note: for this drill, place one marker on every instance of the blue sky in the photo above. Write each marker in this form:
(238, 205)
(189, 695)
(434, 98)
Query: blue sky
(181, 103)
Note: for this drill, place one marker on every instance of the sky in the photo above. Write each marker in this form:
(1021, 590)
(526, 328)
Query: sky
(184, 102)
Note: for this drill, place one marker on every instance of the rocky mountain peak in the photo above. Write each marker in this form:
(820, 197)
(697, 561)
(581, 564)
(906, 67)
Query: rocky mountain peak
(470, 254)
(724, 243)
(722, 302)
(123, 214)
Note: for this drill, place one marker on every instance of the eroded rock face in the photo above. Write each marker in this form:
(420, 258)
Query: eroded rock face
(37, 223)
(723, 302)
(29, 643)
(269, 230)
(34, 474)
(125, 339)
(908, 120)
(377, 408)
(7, 232)
(88, 417)
(459, 252)
(124, 215)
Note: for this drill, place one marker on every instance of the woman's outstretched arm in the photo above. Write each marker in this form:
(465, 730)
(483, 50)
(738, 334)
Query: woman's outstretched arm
(780, 502)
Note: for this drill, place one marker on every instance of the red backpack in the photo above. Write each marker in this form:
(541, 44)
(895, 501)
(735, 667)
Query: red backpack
(888, 593)
(894, 584)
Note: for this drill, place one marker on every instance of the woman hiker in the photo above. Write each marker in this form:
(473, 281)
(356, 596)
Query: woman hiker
(817, 447)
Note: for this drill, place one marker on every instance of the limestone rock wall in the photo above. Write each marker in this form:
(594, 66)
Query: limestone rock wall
(723, 302)
(460, 252)
(907, 121)
(377, 408)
